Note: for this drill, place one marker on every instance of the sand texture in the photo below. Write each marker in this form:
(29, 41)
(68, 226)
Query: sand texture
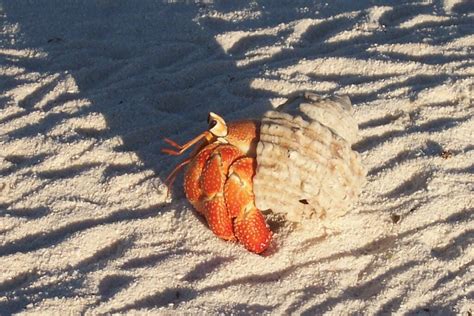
(88, 89)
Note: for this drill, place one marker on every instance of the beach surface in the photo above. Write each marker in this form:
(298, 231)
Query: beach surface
(88, 91)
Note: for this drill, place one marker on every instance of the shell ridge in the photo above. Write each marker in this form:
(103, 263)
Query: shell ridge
(305, 164)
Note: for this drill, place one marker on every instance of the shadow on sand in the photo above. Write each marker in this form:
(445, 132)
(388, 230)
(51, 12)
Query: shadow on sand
(152, 70)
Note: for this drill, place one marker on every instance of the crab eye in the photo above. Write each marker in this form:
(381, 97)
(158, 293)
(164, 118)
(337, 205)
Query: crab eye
(212, 124)
(217, 125)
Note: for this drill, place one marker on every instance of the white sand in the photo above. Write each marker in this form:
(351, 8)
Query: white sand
(87, 92)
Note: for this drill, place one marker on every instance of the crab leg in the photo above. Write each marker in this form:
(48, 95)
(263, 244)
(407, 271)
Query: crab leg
(212, 183)
(250, 227)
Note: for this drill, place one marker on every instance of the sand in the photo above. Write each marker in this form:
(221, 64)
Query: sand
(88, 89)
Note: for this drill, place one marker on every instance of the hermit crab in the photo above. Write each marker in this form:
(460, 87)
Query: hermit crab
(297, 160)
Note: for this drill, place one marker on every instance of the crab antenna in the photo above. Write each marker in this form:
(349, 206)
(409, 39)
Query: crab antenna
(207, 136)
(172, 176)
(182, 148)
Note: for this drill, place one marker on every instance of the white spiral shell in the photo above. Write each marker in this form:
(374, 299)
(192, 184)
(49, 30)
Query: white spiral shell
(305, 165)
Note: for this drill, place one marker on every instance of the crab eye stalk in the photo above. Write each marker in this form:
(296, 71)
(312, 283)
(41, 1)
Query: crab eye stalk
(217, 125)
(212, 124)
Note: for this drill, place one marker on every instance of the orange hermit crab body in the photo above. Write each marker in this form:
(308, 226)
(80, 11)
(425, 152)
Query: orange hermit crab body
(218, 181)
